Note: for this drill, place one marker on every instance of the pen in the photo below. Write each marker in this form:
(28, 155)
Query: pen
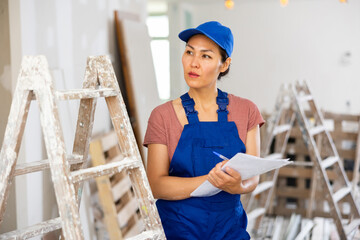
(220, 156)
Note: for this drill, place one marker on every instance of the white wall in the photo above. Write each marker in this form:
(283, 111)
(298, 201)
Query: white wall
(66, 32)
(274, 45)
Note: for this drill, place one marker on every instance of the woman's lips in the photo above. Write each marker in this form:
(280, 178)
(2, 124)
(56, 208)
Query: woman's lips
(193, 75)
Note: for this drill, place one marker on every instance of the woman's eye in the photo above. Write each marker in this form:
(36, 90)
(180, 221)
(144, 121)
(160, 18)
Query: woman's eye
(189, 52)
(206, 56)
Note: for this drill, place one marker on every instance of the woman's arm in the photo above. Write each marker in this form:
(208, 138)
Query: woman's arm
(231, 180)
(162, 185)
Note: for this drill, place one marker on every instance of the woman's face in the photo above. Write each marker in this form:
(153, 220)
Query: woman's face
(202, 62)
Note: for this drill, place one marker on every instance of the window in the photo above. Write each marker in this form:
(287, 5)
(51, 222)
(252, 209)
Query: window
(158, 25)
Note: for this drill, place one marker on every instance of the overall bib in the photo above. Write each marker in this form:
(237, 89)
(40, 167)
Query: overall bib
(217, 217)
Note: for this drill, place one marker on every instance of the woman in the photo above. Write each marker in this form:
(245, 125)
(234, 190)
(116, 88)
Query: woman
(182, 135)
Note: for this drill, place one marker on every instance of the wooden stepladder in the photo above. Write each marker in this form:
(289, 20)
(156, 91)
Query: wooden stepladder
(278, 131)
(35, 82)
(325, 156)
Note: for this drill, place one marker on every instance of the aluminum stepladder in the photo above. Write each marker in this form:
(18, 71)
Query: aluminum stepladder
(315, 135)
(278, 131)
(34, 81)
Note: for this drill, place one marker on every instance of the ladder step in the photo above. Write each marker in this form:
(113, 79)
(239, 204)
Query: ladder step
(150, 234)
(106, 169)
(316, 130)
(256, 213)
(281, 129)
(29, 167)
(262, 187)
(33, 231)
(302, 164)
(351, 226)
(86, 93)
(340, 194)
(274, 156)
(329, 161)
(305, 98)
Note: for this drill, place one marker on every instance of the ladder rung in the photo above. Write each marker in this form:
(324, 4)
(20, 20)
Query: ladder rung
(305, 98)
(274, 156)
(256, 213)
(351, 226)
(282, 128)
(105, 169)
(302, 164)
(150, 234)
(33, 231)
(86, 93)
(262, 187)
(340, 194)
(29, 167)
(329, 161)
(316, 130)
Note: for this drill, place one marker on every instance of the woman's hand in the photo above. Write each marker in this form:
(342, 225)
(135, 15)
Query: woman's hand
(229, 181)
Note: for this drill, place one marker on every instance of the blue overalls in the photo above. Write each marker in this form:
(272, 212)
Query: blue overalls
(217, 217)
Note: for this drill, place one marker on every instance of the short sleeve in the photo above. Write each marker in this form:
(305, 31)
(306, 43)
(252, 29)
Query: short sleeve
(156, 131)
(255, 117)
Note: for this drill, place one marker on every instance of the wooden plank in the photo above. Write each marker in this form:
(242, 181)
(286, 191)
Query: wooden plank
(149, 234)
(15, 128)
(255, 213)
(309, 225)
(263, 186)
(127, 212)
(29, 167)
(85, 93)
(355, 180)
(33, 231)
(341, 193)
(106, 169)
(54, 142)
(121, 188)
(109, 141)
(136, 229)
(105, 193)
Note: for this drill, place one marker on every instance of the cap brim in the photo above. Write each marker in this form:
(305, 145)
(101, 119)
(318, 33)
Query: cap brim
(188, 33)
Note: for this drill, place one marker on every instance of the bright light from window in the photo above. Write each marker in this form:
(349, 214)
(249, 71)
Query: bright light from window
(159, 32)
(160, 51)
(158, 26)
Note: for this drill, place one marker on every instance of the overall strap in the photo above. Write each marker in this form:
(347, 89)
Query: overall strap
(189, 104)
(222, 101)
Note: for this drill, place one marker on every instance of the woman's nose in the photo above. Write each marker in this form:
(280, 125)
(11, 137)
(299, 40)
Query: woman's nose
(194, 62)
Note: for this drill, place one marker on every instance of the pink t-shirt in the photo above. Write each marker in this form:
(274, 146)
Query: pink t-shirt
(165, 128)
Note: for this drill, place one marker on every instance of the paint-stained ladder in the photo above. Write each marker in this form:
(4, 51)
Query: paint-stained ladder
(35, 83)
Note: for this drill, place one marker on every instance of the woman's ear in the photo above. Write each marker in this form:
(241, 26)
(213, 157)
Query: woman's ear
(225, 65)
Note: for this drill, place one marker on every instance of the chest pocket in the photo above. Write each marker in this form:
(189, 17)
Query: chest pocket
(202, 154)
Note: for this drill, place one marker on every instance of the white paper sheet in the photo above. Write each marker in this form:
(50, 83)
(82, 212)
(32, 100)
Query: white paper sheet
(247, 165)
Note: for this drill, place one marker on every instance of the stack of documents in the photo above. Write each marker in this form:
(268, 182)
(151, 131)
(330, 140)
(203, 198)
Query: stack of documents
(247, 165)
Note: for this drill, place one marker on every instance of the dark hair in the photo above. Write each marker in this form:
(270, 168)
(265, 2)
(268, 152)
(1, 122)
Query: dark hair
(224, 56)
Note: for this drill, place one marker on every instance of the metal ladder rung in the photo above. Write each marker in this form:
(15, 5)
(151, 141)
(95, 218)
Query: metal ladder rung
(351, 226)
(274, 156)
(106, 169)
(305, 98)
(282, 128)
(29, 167)
(256, 213)
(262, 187)
(329, 161)
(150, 234)
(316, 130)
(340, 194)
(33, 231)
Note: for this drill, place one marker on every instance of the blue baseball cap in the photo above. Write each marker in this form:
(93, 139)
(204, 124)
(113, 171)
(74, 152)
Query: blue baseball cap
(220, 34)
